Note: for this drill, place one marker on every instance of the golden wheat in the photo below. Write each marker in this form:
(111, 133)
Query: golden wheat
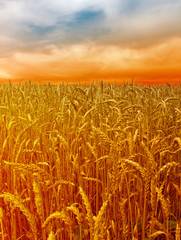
(17, 203)
(90, 162)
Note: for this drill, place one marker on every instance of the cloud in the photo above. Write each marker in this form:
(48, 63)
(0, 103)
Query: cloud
(31, 24)
(140, 24)
(34, 26)
(85, 63)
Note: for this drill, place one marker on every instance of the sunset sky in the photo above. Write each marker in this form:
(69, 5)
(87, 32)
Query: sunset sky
(83, 40)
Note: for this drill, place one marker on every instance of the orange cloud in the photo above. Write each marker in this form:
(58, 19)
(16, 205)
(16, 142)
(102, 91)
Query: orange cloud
(87, 62)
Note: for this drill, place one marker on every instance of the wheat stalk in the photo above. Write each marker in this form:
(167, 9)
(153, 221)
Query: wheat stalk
(18, 203)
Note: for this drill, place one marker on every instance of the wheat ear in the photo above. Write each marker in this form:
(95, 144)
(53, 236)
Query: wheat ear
(89, 211)
(17, 203)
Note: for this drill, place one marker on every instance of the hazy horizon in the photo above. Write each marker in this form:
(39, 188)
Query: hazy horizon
(83, 41)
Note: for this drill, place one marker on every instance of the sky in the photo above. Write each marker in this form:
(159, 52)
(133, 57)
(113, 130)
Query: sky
(84, 41)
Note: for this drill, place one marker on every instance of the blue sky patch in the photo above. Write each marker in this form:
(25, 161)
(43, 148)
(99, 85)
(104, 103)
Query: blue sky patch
(41, 30)
(130, 6)
(88, 15)
(85, 17)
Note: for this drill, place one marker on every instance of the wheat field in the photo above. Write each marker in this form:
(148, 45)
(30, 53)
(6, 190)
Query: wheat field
(90, 162)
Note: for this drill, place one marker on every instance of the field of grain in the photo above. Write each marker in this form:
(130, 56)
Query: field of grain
(90, 162)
